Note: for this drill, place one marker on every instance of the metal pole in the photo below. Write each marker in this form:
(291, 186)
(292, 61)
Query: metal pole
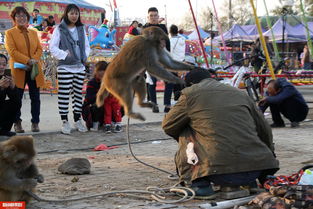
(221, 33)
(304, 19)
(283, 40)
(268, 59)
(200, 40)
(212, 35)
(165, 14)
(229, 14)
(272, 32)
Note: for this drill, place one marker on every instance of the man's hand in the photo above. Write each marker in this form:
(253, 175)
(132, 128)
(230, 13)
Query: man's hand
(4, 82)
(31, 62)
(262, 102)
(161, 20)
(192, 158)
(12, 84)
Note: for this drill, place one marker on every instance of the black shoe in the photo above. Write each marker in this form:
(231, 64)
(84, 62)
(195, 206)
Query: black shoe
(274, 125)
(118, 129)
(167, 109)
(107, 129)
(155, 109)
(7, 133)
(203, 193)
(294, 124)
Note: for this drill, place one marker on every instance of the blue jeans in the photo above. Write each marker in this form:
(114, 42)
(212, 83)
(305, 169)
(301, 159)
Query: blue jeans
(34, 95)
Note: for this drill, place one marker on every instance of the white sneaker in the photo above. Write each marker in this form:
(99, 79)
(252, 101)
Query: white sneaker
(66, 127)
(95, 126)
(80, 126)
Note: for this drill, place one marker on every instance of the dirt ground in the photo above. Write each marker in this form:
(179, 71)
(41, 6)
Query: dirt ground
(116, 169)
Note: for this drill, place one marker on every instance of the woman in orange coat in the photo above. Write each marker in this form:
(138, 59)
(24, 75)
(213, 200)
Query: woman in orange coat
(24, 48)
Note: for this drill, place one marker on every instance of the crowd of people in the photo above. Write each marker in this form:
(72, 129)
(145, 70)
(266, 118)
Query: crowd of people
(40, 23)
(69, 45)
(222, 134)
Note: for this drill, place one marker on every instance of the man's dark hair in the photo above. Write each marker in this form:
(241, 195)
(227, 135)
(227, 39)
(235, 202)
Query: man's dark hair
(68, 8)
(173, 30)
(276, 85)
(18, 10)
(50, 17)
(5, 57)
(153, 9)
(196, 76)
(36, 10)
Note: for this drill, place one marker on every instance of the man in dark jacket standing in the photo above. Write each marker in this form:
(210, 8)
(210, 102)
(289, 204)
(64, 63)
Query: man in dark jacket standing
(153, 20)
(223, 137)
(283, 97)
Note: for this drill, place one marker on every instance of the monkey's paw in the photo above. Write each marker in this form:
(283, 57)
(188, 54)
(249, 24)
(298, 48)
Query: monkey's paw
(39, 178)
(29, 184)
(137, 116)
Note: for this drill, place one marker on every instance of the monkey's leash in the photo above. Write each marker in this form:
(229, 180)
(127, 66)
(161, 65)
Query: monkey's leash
(171, 176)
(156, 193)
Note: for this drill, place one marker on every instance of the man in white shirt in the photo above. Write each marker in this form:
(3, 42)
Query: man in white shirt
(178, 47)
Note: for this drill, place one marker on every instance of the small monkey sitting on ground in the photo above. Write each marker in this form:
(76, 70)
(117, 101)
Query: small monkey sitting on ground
(124, 75)
(18, 173)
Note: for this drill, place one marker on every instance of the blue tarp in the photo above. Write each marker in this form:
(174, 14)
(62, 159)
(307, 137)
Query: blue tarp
(79, 3)
(250, 33)
(301, 31)
(290, 33)
(194, 34)
(240, 33)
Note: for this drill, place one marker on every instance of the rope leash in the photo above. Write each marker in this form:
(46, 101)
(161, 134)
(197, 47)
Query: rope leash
(156, 193)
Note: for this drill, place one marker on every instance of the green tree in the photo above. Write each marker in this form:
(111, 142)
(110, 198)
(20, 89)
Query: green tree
(205, 18)
(308, 5)
(240, 11)
(187, 23)
(281, 10)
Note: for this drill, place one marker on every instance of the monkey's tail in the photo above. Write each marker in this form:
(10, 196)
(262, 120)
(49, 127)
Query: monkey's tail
(101, 95)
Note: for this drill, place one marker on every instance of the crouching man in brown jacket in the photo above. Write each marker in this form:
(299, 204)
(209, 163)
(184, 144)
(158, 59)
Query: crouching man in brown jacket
(223, 137)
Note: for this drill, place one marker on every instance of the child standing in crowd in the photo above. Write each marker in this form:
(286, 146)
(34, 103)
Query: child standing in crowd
(69, 44)
(92, 114)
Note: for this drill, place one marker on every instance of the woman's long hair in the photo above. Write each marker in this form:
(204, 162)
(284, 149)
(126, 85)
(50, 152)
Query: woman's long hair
(68, 8)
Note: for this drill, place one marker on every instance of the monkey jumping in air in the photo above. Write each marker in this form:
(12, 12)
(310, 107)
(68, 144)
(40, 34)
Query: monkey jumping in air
(124, 75)
(18, 173)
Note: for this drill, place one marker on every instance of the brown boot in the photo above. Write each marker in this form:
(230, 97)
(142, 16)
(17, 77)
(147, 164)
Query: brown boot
(35, 127)
(18, 127)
